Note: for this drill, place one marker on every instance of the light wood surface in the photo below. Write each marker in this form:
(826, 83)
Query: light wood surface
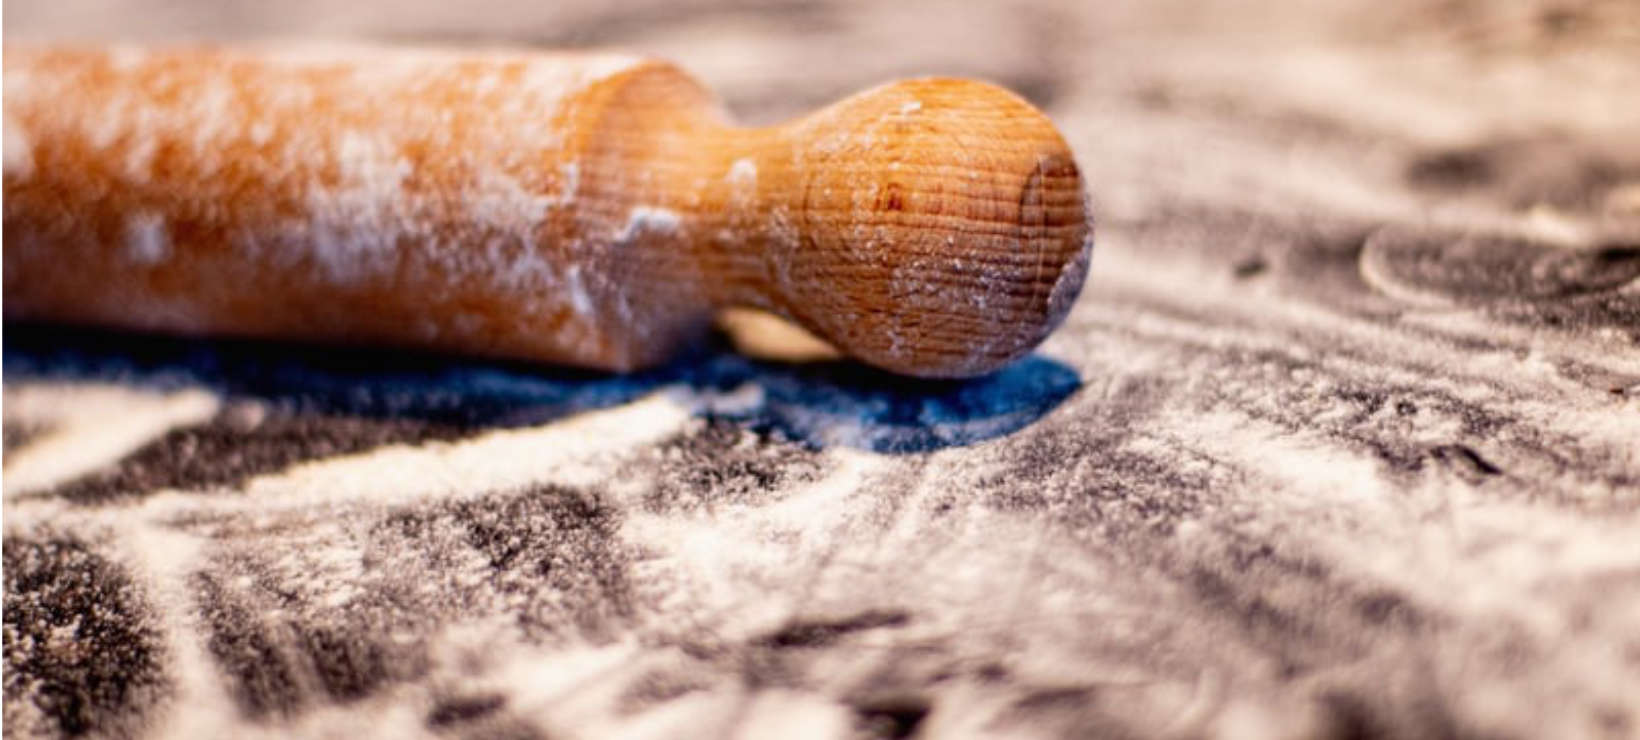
(587, 209)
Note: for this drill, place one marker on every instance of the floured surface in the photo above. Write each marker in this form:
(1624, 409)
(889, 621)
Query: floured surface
(1341, 440)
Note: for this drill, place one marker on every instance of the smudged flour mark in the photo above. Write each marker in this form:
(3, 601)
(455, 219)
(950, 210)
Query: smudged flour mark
(743, 173)
(578, 291)
(571, 172)
(19, 148)
(147, 240)
(647, 218)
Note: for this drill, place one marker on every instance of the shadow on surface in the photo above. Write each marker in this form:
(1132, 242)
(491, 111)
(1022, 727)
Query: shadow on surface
(826, 404)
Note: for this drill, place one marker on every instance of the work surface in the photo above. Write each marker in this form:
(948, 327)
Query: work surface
(1342, 439)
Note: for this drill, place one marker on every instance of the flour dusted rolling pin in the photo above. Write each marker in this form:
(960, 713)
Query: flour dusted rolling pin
(577, 208)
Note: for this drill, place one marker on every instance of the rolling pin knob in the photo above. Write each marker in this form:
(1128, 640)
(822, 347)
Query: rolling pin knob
(944, 228)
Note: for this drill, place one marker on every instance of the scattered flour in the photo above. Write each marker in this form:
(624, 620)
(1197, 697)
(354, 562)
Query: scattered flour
(19, 149)
(92, 425)
(147, 240)
(743, 173)
(1069, 283)
(571, 173)
(261, 132)
(572, 451)
(502, 201)
(647, 218)
(125, 57)
(165, 560)
(139, 160)
(354, 227)
(578, 290)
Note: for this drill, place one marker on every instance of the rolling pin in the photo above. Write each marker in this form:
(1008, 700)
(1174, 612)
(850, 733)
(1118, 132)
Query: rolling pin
(588, 209)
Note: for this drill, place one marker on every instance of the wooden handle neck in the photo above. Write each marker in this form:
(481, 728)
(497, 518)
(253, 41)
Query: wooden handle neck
(933, 227)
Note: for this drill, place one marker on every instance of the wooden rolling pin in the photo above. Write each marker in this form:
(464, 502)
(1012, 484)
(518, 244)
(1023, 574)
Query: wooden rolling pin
(577, 208)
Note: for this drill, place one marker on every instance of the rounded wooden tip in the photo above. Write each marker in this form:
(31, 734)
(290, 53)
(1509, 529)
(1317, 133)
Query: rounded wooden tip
(944, 229)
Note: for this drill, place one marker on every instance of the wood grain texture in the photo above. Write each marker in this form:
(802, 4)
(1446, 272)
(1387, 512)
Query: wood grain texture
(1339, 441)
(589, 209)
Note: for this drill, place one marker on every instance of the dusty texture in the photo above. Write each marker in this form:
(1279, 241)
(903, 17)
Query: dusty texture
(1342, 439)
(575, 208)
